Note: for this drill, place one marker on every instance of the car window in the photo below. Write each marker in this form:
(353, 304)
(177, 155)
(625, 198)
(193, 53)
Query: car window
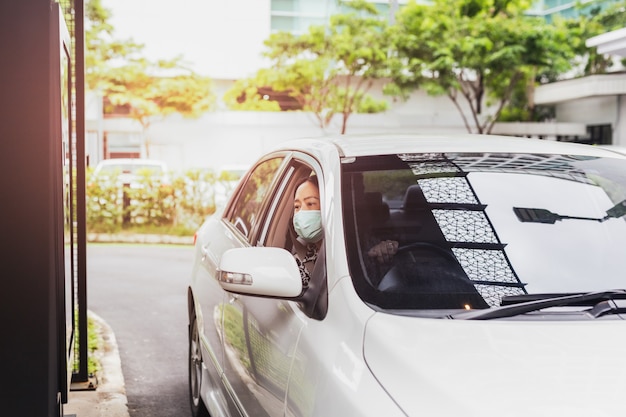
(279, 232)
(246, 209)
(279, 229)
(473, 229)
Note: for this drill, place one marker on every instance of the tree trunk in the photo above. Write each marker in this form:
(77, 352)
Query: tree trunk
(530, 95)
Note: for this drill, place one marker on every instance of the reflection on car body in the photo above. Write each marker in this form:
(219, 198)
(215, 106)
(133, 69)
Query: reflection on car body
(227, 179)
(502, 298)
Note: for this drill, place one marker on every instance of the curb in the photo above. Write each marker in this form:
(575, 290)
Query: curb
(138, 238)
(109, 398)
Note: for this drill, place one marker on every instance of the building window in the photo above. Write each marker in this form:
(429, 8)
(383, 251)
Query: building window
(600, 134)
(297, 15)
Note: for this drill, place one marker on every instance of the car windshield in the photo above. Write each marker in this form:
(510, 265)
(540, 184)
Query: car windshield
(472, 229)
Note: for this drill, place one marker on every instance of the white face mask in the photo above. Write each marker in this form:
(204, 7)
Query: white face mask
(308, 225)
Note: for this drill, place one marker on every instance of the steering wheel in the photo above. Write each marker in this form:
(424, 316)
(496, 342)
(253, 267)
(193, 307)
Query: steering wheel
(395, 278)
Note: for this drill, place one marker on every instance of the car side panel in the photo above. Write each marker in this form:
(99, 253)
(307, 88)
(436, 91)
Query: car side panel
(249, 341)
(209, 298)
(260, 340)
(330, 376)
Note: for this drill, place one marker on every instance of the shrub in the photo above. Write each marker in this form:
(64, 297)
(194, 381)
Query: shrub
(182, 203)
(104, 204)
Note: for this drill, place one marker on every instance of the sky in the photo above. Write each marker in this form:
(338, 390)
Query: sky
(166, 28)
(218, 38)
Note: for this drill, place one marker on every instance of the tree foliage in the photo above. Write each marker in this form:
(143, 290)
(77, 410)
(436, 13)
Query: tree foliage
(474, 51)
(141, 85)
(119, 71)
(101, 47)
(596, 21)
(592, 20)
(330, 69)
(487, 56)
(245, 95)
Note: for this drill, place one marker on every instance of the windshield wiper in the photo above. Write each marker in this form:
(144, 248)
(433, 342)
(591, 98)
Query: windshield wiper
(539, 215)
(603, 302)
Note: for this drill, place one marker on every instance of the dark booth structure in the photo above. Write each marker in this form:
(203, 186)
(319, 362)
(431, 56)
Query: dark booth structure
(42, 221)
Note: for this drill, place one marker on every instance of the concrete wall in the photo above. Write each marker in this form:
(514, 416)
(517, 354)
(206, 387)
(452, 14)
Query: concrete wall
(591, 111)
(593, 100)
(227, 137)
(597, 111)
(239, 138)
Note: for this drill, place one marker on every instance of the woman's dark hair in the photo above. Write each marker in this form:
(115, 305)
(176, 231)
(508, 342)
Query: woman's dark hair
(312, 179)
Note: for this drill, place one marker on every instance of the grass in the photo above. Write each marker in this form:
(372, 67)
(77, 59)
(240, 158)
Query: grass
(94, 344)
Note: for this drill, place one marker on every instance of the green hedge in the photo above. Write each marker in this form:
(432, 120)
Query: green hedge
(178, 205)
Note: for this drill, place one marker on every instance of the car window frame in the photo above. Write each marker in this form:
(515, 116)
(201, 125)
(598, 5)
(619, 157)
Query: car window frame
(294, 164)
(314, 301)
(231, 207)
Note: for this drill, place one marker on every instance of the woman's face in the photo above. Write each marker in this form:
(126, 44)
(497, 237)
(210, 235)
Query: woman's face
(307, 197)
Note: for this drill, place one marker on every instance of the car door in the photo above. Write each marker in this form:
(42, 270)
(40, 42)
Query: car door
(235, 228)
(261, 334)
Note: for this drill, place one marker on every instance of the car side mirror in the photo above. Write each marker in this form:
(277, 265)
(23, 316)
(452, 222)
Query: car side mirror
(261, 271)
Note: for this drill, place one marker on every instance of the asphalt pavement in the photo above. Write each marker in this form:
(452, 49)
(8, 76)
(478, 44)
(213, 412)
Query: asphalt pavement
(108, 399)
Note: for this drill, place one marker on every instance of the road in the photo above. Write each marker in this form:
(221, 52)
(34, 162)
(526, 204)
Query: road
(140, 291)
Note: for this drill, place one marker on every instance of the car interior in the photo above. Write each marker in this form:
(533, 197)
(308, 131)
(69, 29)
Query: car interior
(424, 272)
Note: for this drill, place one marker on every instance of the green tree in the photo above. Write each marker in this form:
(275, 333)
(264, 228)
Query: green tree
(150, 90)
(592, 20)
(474, 51)
(330, 69)
(140, 86)
(101, 48)
(596, 21)
(244, 95)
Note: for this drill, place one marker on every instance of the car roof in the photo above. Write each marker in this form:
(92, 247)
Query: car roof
(615, 148)
(386, 144)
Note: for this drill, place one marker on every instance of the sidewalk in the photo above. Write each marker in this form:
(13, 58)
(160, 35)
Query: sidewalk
(109, 398)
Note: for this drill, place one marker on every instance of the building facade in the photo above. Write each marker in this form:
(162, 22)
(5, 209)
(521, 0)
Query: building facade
(597, 101)
(548, 9)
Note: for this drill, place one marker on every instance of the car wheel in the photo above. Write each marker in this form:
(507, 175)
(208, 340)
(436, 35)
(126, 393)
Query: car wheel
(198, 408)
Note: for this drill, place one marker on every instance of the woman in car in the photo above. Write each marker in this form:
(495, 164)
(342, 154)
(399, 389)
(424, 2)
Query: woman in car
(307, 223)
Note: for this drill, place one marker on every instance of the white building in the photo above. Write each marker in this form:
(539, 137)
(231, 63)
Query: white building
(597, 101)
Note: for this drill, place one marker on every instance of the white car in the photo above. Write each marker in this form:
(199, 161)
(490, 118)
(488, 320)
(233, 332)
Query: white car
(129, 171)
(505, 297)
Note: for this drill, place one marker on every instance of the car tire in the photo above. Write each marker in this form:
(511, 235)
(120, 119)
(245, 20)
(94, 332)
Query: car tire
(198, 409)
